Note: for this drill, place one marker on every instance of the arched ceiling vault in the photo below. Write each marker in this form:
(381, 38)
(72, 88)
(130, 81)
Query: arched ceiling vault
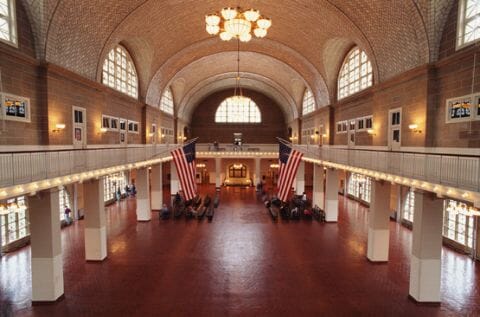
(262, 67)
(311, 36)
(252, 81)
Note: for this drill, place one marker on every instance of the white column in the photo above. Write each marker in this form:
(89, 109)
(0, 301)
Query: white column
(95, 221)
(143, 195)
(300, 179)
(331, 196)
(157, 186)
(378, 222)
(218, 167)
(425, 263)
(258, 177)
(318, 186)
(174, 182)
(46, 247)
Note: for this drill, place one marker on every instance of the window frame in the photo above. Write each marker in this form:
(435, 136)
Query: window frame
(252, 111)
(345, 74)
(110, 120)
(165, 107)
(343, 126)
(12, 23)
(116, 72)
(135, 123)
(461, 24)
(309, 100)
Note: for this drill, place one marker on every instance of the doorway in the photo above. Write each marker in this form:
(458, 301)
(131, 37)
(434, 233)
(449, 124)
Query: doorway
(395, 129)
(79, 127)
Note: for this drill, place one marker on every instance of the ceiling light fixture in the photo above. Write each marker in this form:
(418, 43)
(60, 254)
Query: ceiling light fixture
(236, 23)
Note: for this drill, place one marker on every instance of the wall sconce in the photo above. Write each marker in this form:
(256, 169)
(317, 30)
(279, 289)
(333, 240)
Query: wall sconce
(371, 132)
(151, 134)
(414, 128)
(59, 127)
(103, 130)
(184, 138)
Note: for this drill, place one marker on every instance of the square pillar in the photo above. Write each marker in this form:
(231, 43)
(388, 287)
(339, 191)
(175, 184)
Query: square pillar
(331, 196)
(157, 186)
(425, 266)
(143, 195)
(257, 177)
(218, 167)
(318, 186)
(95, 221)
(174, 182)
(378, 222)
(46, 247)
(300, 179)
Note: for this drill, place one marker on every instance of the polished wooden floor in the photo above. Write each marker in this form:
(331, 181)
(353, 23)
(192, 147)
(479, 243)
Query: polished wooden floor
(241, 264)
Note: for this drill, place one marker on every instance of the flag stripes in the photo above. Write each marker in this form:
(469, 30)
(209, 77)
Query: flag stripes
(289, 160)
(184, 160)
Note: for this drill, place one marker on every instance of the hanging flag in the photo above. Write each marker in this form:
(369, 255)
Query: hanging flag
(289, 159)
(184, 159)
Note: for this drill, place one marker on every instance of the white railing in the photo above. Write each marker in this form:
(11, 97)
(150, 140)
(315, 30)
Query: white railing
(25, 167)
(459, 171)
(445, 169)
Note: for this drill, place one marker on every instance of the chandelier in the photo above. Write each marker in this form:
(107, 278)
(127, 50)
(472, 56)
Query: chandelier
(236, 23)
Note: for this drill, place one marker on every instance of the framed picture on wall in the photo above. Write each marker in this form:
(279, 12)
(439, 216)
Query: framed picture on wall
(476, 105)
(78, 134)
(459, 109)
(15, 108)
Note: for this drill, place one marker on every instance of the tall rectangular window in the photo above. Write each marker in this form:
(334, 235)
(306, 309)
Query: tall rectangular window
(8, 26)
(468, 22)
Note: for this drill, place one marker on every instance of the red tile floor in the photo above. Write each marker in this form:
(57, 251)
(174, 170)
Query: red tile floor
(241, 264)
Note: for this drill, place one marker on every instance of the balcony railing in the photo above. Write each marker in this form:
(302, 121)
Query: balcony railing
(25, 167)
(459, 171)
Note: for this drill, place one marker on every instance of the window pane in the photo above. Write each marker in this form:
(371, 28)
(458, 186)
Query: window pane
(356, 73)
(238, 110)
(308, 104)
(166, 103)
(115, 72)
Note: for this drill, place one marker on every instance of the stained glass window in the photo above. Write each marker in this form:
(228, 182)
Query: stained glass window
(166, 103)
(119, 72)
(238, 110)
(469, 22)
(355, 74)
(8, 27)
(308, 104)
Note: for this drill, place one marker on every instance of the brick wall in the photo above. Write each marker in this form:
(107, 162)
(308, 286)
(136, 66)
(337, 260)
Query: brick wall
(20, 75)
(203, 121)
(66, 90)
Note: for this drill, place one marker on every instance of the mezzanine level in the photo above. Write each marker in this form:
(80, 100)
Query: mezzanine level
(25, 171)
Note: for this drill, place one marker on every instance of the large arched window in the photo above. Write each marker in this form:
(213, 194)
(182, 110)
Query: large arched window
(355, 74)
(8, 26)
(469, 22)
(166, 103)
(238, 109)
(308, 104)
(119, 72)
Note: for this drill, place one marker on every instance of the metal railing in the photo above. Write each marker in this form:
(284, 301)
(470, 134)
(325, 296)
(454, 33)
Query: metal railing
(460, 171)
(25, 167)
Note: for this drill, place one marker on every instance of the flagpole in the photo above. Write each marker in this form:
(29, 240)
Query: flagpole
(283, 141)
(169, 150)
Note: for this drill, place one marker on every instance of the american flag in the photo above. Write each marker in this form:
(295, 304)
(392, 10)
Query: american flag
(289, 159)
(184, 158)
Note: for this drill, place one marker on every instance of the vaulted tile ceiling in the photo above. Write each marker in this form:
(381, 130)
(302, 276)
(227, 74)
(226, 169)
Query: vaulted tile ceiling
(304, 47)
